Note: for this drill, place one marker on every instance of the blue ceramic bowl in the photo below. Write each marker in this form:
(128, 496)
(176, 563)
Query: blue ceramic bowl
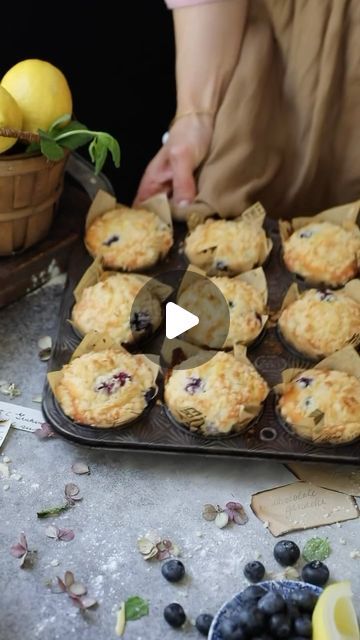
(284, 587)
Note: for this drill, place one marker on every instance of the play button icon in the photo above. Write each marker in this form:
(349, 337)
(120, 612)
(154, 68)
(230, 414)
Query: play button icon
(178, 320)
(193, 310)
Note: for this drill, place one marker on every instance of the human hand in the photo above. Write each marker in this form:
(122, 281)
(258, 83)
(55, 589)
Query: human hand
(172, 169)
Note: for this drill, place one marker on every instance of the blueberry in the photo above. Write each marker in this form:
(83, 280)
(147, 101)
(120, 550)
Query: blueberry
(304, 599)
(141, 321)
(252, 621)
(221, 265)
(193, 385)
(230, 629)
(203, 623)
(303, 626)
(304, 382)
(252, 594)
(150, 394)
(111, 240)
(286, 553)
(315, 572)
(280, 626)
(174, 615)
(254, 571)
(173, 570)
(271, 603)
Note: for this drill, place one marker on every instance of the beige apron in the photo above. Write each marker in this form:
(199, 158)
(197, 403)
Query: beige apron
(288, 130)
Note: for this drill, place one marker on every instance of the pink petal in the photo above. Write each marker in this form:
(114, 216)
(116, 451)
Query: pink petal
(17, 550)
(23, 541)
(61, 584)
(87, 602)
(66, 535)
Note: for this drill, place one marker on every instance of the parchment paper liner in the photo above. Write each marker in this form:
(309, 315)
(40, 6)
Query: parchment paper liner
(255, 215)
(344, 216)
(96, 342)
(95, 273)
(346, 360)
(255, 278)
(103, 202)
(194, 418)
(351, 289)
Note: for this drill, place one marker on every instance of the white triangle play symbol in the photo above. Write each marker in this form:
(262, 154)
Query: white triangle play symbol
(178, 320)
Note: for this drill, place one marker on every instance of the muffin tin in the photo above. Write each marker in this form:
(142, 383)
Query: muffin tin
(266, 438)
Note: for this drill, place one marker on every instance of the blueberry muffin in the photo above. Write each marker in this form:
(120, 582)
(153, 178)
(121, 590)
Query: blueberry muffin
(106, 388)
(129, 239)
(322, 406)
(111, 306)
(324, 253)
(321, 322)
(246, 309)
(217, 397)
(227, 247)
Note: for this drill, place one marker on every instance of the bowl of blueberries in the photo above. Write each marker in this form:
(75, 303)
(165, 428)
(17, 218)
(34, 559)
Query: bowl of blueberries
(272, 609)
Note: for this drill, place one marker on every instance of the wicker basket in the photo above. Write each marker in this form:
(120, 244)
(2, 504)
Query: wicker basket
(30, 187)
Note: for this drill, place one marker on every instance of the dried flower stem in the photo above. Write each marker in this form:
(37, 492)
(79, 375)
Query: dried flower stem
(26, 136)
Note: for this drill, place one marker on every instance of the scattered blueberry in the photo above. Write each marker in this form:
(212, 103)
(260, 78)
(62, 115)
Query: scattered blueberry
(174, 615)
(115, 382)
(271, 603)
(286, 553)
(304, 599)
(254, 571)
(326, 295)
(252, 594)
(203, 623)
(173, 570)
(303, 626)
(280, 626)
(111, 240)
(306, 234)
(231, 304)
(315, 572)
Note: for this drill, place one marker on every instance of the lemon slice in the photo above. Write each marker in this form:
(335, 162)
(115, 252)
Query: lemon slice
(334, 616)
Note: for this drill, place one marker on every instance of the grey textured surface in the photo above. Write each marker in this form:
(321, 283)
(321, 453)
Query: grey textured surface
(125, 496)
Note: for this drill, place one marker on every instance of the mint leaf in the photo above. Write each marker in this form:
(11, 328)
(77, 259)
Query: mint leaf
(80, 135)
(316, 549)
(33, 147)
(113, 146)
(60, 120)
(98, 152)
(52, 511)
(135, 608)
(49, 147)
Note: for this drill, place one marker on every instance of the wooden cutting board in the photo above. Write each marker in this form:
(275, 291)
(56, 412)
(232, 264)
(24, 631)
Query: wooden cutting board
(24, 272)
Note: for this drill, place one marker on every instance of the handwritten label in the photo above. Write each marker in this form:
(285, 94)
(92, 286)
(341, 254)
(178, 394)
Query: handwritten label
(4, 429)
(329, 476)
(20, 417)
(302, 506)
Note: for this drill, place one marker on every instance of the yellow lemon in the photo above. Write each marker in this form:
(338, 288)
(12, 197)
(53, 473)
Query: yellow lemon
(41, 91)
(10, 116)
(334, 616)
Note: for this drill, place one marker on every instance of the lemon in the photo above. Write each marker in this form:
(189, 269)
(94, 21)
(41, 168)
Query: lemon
(334, 616)
(41, 91)
(10, 116)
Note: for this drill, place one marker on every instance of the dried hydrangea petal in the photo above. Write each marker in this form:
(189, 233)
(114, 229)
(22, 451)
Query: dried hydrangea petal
(45, 342)
(69, 579)
(87, 602)
(222, 519)
(51, 531)
(77, 589)
(66, 535)
(18, 550)
(209, 512)
(145, 546)
(71, 490)
(80, 468)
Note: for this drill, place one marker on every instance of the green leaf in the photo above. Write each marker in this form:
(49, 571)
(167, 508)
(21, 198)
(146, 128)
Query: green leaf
(33, 147)
(98, 153)
(52, 511)
(113, 146)
(316, 549)
(51, 149)
(77, 139)
(135, 608)
(60, 120)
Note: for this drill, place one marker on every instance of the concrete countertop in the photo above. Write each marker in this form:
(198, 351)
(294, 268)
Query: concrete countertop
(124, 496)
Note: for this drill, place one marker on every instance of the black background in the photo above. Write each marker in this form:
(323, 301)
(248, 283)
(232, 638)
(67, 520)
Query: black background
(118, 58)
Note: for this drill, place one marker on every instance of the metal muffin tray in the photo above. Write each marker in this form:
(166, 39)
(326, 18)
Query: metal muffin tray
(155, 431)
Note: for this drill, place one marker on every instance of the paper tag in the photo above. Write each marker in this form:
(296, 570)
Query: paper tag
(22, 418)
(4, 429)
(329, 476)
(301, 506)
